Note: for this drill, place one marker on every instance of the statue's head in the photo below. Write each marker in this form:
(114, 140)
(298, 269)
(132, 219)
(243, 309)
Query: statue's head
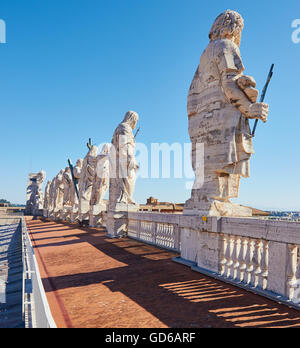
(131, 118)
(79, 163)
(67, 170)
(105, 150)
(93, 151)
(41, 176)
(228, 25)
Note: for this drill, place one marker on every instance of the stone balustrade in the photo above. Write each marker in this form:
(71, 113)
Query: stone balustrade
(259, 255)
(161, 230)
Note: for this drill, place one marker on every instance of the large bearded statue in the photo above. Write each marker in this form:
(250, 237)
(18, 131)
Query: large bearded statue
(221, 101)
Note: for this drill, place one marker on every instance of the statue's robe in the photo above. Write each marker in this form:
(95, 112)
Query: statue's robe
(219, 125)
(123, 166)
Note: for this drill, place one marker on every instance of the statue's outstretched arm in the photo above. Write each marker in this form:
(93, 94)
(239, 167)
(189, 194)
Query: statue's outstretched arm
(230, 66)
(238, 99)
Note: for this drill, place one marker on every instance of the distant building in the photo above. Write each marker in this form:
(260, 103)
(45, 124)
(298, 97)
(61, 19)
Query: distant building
(152, 200)
(154, 205)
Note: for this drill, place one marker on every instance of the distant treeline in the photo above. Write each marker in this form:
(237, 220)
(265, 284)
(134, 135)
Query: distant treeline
(4, 201)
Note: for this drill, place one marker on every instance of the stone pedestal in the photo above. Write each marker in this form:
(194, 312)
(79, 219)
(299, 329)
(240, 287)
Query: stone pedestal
(58, 214)
(84, 210)
(117, 220)
(217, 209)
(74, 214)
(96, 215)
(45, 213)
(67, 211)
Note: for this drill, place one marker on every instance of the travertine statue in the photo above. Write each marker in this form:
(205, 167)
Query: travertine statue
(101, 178)
(35, 196)
(67, 182)
(51, 204)
(74, 199)
(77, 173)
(123, 169)
(59, 195)
(123, 163)
(67, 199)
(47, 199)
(221, 101)
(86, 183)
(100, 186)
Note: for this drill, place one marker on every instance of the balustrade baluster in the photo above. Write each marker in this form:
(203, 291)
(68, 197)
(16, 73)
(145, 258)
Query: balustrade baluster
(249, 261)
(296, 298)
(224, 246)
(243, 265)
(229, 256)
(257, 263)
(263, 283)
(153, 232)
(238, 248)
(292, 270)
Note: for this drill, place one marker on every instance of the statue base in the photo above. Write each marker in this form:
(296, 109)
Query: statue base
(58, 214)
(67, 212)
(96, 215)
(117, 220)
(218, 208)
(45, 213)
(84, 211)
(74, 214)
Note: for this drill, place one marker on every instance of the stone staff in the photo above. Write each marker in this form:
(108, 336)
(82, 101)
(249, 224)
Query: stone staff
(137, 132)
(262, 98)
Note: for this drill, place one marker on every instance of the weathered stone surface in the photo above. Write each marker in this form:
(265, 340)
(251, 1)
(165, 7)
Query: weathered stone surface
(58, 196)
(123, 171)
(221, 101)
(257, 254)
(47, 200)
(67, 182)
(123, 163)
(100, 187)
(86, 183)
(35, 196)
(117, 224)
(277, 275)
(74, 199)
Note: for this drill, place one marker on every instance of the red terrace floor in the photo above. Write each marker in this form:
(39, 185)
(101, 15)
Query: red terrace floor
(92, 281)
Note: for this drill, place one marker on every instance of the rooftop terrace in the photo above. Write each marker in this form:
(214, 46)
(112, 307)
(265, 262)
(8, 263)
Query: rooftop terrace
(93, 281)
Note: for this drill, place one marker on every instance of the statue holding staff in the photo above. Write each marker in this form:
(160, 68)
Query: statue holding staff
(221, 101)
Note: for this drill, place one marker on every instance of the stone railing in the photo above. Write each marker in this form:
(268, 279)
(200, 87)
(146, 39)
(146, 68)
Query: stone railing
(259, 255)
(36, 310)
(161, 230)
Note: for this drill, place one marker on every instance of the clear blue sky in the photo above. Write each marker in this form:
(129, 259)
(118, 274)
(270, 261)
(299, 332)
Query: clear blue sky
(71, 69)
